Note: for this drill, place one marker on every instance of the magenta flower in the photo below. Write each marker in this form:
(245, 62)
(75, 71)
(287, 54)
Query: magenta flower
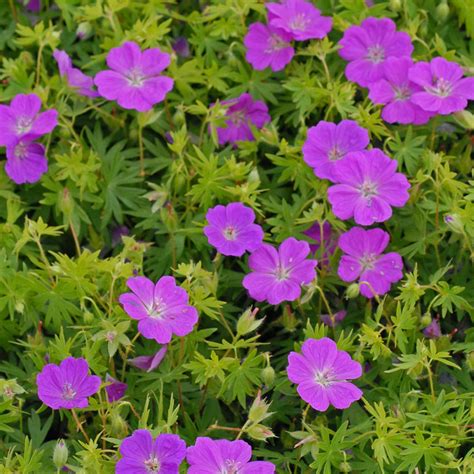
(26, 162)
(114, 388)
(161, 309)
(149, 363)
(277, 275)
(364, 260)
(209, 456)
(67, 385)
(433, 330)
(298, 18)
(444, 89)
(34, 5)
(22, 120)
(76, 79)
(327, 241)
(231, 229)
(368, 187)
(322, 372)
(143, 455)
(369, 45)
(242, 112)
(328, 142)
(134, 80)
(267, 47)
(395, 92)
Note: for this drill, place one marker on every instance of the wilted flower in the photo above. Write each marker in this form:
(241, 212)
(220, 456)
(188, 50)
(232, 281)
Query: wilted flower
(277, 275)
(181, 47)
(364, 260)
(134, 80)
(322, 372)
(267, 46)
(118, 232)
(26, 161)
(395, 92)
(143, 455)
(161, 309)
(83, 84)
(222, 456)
(231, 229)
(444, 89)
(433, 330)
(369, 45)
(335, 319)
(114, 388)
(68, 385)
(242, 112)
(149, 363)
(328, 143)
(368, 186)
(22, 120)
(298, 18)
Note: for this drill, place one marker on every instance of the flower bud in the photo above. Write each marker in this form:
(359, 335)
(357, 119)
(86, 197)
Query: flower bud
(425, 320)
(345, 467)
(259, 410)
(465, 118)
(84, 30)
(454, 222)
(395, 5)
(352, 291)
(260, 432)
(442, 11)
(268, 375)
(60, 454)
(247, 322)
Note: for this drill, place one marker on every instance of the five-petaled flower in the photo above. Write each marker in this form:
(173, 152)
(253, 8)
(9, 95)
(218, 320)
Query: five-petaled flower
(134, 79)
(221, 456)
(231, 229)
(368, 186)
(322, 372)
(161, 309)
(364, 260)
(141, 454)
(67, 385)
(277, 275)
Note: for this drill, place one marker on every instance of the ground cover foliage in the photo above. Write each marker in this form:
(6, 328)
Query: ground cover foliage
(127, 194)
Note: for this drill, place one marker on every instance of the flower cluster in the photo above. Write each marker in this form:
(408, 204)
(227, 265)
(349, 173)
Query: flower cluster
(291, 20)
(379, 58)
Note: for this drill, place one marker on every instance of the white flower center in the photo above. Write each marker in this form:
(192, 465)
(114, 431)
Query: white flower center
(375, 53)
(281, 273)
(231, 467)
(68, 392)
(24, 124)
(441, 88)
(157, 309)
(299, 22)
(324, 378)
(275, 43)
(335, 154)
(368, 261)
(402, 93)
(21, 150)
(152, 465)
(368, 190)
(230, 233)
(135, 78)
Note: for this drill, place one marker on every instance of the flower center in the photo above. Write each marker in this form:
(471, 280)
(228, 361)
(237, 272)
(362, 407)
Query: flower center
(323, 378)
(299, 22)
(275, 43)
(238, 117)
(230, 233)
(21, 150)
(368, 190)
(24, 124)
(376, 53)
(282, 273)
(231, 467)
(152, 464)
(442, 87)
(368, 261)
(68, 392)
(135, 78)
(335, 154)
(402, 93)
(157, 309)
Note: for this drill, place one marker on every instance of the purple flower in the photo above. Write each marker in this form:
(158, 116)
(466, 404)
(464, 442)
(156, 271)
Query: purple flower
(335, 319)
(181, 47)
(395, 92)
(267, 47)
(114, 388)
(134, 80)
(209, 456)
(433, 330)
(368, 186)
(67, 385)
(75, 77)
(277, 275)
(149, 363)
(22, 120)
(34, 5)
(298, 18)
(26, 162)
(368, 46)
(143, 455)
(327, 240)
(231, 229)
(328, 142)
(242, 112)
(161, 309)
(322, 372)
(117, 234)
(364, 260)
(444, 89)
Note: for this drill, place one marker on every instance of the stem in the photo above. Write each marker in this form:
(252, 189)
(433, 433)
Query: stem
(74, 236)
(79, 425)
(127, 351)
(430, 378)
(45, 260)
(242, 430)
(38, 64)
(142, 152)
(224, 428)
(13, 9)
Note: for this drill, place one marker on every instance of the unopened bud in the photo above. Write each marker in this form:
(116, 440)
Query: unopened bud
(395, 5)
(454, 222)
(247, 322)
(259, 410)
(352, 291)
(425, 320)
(345, 467)
(442, 11)
(84, 30)
(260, 432)
(60, 454)
(268, 375)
